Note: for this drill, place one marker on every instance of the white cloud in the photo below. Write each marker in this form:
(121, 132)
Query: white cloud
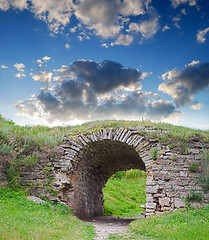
(176, 3)
(44, 77)
(176, 20)
(145, 74)
(99, 15)
(193, 63)
(149, 28)
(20, 67)
(55, 13)
(28, 108)
(80, 38)
(19, 75)
(104, 18)
(133, 27)
(104, 45)
(106, 31)
(107, 18)
(46, 58)
(4, 5)
(134, 7)
(155, 95)
(73, 29)
(62, 70)
(123, 40)
(4, 66)
(197, 106)
(67, 45)
(166, 27)
(183, 11)
(57, 78)
(201, 35)
(170, 74)
(40, 63)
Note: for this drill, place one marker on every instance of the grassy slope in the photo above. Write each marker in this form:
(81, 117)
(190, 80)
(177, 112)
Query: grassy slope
(23, 219)
(124, 193)
(26, 140)
(191, 224)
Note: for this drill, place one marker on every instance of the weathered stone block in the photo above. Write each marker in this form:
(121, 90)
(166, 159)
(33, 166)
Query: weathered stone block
(152, 189)
(164, 201)
(179, 203)
(151, 205)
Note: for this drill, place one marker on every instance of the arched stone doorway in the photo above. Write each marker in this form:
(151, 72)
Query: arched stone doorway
(97, 162)
(85, 162)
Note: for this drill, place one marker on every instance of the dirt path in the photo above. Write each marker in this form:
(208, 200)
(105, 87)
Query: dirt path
(106, 225)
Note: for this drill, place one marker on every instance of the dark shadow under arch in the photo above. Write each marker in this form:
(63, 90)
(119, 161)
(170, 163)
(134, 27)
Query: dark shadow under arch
(97, 162)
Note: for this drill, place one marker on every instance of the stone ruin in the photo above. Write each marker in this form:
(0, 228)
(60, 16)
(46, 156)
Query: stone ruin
(86, 162)
(81, 166)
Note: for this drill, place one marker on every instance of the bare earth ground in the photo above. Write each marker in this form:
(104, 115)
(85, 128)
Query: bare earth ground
(106, 225)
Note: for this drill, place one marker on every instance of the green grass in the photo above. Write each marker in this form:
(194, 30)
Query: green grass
(191, 224)
(124, 193)
(23, 219)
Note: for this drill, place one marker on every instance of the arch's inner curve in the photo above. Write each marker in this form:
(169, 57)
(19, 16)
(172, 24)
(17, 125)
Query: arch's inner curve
(96, 164)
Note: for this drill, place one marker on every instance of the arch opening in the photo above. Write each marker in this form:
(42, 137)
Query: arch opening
(125, 193)
(97, 162)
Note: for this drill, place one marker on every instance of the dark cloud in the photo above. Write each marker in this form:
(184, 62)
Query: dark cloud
(161, 108)
(187, 83)
(48, 101)
(70, 90)
(106, 76)
(195, 77)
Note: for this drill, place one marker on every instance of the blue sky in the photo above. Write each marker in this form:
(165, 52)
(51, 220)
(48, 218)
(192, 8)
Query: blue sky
(67, 62)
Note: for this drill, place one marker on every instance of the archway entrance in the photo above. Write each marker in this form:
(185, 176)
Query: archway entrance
(97, 163)
(125, 193)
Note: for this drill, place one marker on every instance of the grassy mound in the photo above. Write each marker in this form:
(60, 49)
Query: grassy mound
(24, 219)
(124, 193)
(29, 140)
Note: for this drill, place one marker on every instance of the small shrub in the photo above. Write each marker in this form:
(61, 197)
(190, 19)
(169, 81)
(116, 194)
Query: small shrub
(174, 157)
(154, 152)
(194, 196)
(134, 174)
(193, 167)
(184, 148)
(118, 175)
(63, 209)
(13, 177)
(5, 149)
(31, 160)
(171, 146)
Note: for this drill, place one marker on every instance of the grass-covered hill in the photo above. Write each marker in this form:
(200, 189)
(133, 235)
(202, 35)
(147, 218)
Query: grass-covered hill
(28, 140)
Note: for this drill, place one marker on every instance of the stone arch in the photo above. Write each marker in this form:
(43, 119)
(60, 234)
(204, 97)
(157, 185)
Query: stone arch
(94, 157)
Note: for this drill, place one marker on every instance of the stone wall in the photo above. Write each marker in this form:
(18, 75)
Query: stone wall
(78, 171)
